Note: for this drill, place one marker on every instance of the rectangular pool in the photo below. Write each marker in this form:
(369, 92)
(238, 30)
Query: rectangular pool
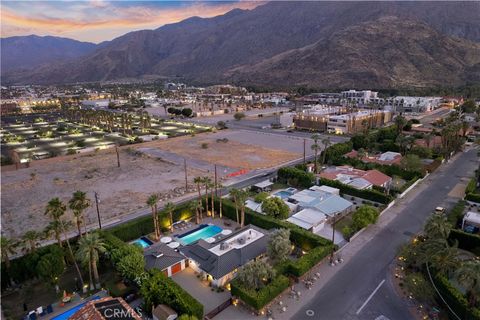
(67, 314)
(143, 242)
(283, 194)
(202, 232)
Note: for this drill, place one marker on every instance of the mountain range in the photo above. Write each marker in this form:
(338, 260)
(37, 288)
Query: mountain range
(280, 44)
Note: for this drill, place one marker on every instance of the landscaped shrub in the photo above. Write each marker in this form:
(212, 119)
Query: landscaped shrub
(258, 299)
(337, 151)
(160, 289)
(466, 241)
(296, 177)
(306, 262)
(473, 197)
(455, 299)
(471, 186)
(371, 195)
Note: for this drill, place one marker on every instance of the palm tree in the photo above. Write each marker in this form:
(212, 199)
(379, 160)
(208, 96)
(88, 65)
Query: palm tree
(8, 248)
(212, 189)
(207, 182)
(446, 260)
(242, 196)
(400, 122)
(437, 227)
(65, 226)
(152, 202)
(55, 228)
(198, 181)
(194, 207)
(170, 208)
(78, 203)
(88, 251)
(220, 187)
(235, 194)
(315, 147)
(55, 209)
(30, 239)
(468, 275)
(465, 126)
(326, 143)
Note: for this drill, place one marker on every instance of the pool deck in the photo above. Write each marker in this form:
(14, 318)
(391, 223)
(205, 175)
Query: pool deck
(76, 300)
(230, 224)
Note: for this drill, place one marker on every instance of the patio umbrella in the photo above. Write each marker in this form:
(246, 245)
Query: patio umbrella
(173, 245)
(166, 240)
(226, 232)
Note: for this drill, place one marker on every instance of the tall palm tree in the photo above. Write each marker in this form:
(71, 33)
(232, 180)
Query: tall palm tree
(212, 204)
(55, 209)
(207, 182)
(437, 227)
(198, 181)
(8, 248)
(468, 275)
(65, 226)
(220, 187)
(152, 202)
(326, 143)
(242, 196)
(30, 239)
(170, 208)
(78, 203)
(194, 207)
(235, 195)
(55, 228)
(400, 122)
(89, 248)
(446, 260)
(315, 147)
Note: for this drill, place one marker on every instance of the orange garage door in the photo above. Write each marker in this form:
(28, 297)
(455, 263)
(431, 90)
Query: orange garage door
(176, 268)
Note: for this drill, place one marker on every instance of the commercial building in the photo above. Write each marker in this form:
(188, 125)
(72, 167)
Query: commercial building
(359, 97)
(356, 122)
(409, 104)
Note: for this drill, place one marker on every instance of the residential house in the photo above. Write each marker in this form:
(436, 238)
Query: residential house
(220, 260)
(160, 256)
(164, 312)
(359, 179)
(387, 158)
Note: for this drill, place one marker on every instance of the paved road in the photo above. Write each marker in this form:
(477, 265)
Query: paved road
(352, 287)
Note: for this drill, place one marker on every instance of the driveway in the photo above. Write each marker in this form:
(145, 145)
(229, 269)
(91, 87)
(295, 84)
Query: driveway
(200, 290)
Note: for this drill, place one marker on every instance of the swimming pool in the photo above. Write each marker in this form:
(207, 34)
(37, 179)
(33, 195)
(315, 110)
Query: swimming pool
(143, 242)
(67, 314)
(202, 232)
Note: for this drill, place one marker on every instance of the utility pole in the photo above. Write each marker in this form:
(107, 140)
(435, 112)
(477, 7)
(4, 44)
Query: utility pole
(216, 191)
(304, 150)
(186, 177)
(98, 211)
(118, 156)
(333, 237)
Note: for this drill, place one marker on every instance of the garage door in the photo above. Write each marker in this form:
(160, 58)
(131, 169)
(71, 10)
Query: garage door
(176, 268)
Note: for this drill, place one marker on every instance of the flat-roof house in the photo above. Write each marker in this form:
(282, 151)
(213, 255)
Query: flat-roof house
(220, 259)
(471, 219)
(309, 219)
(263, 186)
(162, 257)
(386, 158)
(326, 203)
(357, 178)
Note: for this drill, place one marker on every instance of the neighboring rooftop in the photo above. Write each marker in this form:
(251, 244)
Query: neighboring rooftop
(325, 202)
(106, 308)
(348, 175)
(307, 218)
(161, 256)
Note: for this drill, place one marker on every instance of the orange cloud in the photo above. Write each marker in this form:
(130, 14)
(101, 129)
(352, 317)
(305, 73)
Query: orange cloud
(111, 18)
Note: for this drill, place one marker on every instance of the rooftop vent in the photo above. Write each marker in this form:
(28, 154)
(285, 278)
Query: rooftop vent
(224, 246)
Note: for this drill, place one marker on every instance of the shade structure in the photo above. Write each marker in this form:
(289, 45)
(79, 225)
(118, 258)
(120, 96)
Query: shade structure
(226, 232)
(166, 240)
(173, 245)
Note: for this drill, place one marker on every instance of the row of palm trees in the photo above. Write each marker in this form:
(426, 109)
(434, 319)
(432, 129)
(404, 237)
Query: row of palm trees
(90, 245)
(316, 147)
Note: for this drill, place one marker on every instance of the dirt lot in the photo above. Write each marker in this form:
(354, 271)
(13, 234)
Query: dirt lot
(232, 152)
(26, 192)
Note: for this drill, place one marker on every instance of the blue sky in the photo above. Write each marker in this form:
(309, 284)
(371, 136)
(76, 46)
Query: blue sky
(98, 20)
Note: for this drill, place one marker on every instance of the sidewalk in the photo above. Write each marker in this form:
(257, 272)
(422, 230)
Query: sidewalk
(326, 271)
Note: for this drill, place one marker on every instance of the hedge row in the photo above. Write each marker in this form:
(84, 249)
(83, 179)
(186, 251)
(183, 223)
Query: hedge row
(299, 267)
(296, 177)
(455, 299)
(144, 225)
(466, 241)
(258, 299)
(456, 213)
(300, 237)
(471, 186)
(371, 195)
(474, 197)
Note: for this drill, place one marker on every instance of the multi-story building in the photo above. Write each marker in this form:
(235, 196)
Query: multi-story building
(413, 104)
(359, 97)
(355, 122)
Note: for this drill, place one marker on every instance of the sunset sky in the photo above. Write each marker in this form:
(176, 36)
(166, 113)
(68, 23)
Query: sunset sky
(98, 20)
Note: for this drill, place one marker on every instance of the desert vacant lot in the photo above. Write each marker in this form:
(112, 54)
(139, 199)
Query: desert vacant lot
(123, 190)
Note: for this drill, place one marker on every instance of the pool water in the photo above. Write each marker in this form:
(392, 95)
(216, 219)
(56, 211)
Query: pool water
(203, 232)
(67, 314)
(283, 194)
(142, 242)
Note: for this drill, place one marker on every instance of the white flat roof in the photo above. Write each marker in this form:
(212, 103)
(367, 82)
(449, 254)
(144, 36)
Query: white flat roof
(250, 235)
(307, 216)
(473, 217)
(264, 184)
